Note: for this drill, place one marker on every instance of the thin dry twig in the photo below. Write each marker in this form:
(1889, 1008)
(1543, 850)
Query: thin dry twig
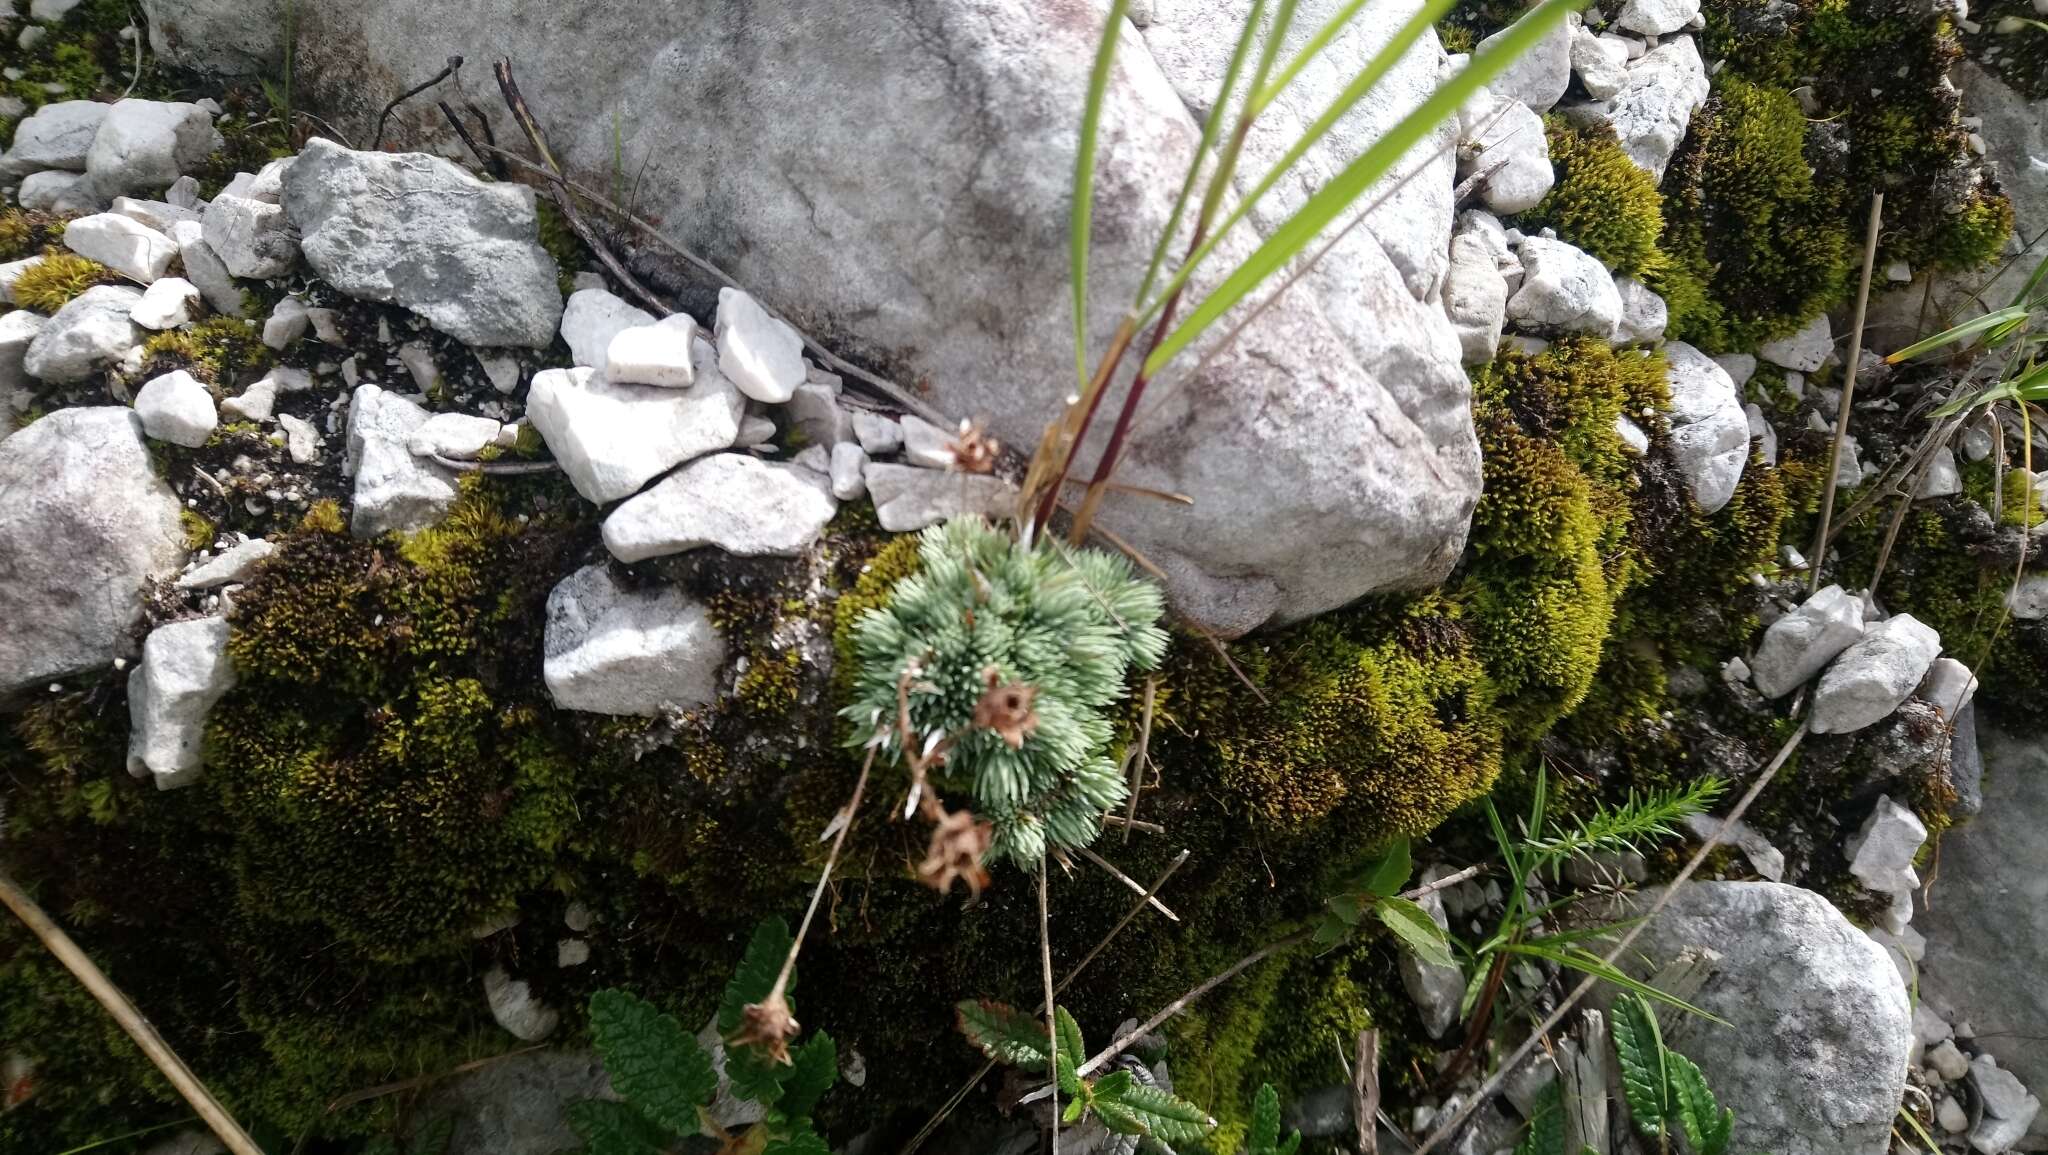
(844, 822)
(1126, 879)
(1138, 762)
(1137, 824)
(1365, 1090)
(1827, 501)
(130, 1019)
(377, 139)
(1052, 1034)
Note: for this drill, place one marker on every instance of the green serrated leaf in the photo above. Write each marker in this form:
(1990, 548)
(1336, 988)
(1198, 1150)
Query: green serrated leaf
(1706, 1123)
(1389, 872)
(1072, 1052)
(1418, 932)
(1265, 1131)
(1129, 1107)
(1330, 930)
(609, 1128)
(756, 975)
(1072, 1113)
(1546, 1124)
(1003, 1033)
(1292, 1144)
(799, 1139)
(755, 1075)
(813, 1068)
(652, 1061)
(1640, 1048)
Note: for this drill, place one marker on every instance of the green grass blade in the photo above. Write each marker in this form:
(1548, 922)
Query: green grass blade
(1969, 328)
(2026, 293)
(1335, 196)
(1226, 164)
(1316, 43)
(1592, 964)
(1084, 183)
(1374, 71)
(1211, 127)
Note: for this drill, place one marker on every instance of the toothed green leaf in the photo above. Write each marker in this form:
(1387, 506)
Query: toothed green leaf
(652, 1061)
(609, 1128)
(813, 1068)
(1072, 1053)
(1003, 1033)
(1129, 1107)
(1388, 873)
(1640, 1048)
(756, 975)
(1546, 1124)
(1707, 1124)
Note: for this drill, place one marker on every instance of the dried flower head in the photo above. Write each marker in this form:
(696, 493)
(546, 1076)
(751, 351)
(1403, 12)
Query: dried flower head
(769, 1025)
(974, 451)
(959, 841)
(1006, 708)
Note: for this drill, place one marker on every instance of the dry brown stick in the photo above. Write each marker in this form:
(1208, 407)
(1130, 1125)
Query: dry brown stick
(1365, 1090)
(966, 1088)
(880, 384)
(125, 1013)
(1827, 501)
(1127, 880)
(1134, 823)
(1187, 1000)
(844, 820)
(1138, 763)
(523, 116)
(1542, 1031)
(1052, 1034)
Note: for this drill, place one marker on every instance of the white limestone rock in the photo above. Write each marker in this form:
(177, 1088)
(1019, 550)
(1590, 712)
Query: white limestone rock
(58, 135)
(287, 323)
(1942, 478)
(456, 436)
(1654, 105)
(90, 333)
(515, 1008)
(734, 501)
(763, 356)
(1871, 677)
(185, 669)
(301, 440)
(1762, 432)
(11, 272)
(1498, 131)
(612, 439)
(1475, 296)
(17, 329)
(815, 412)
(1643, 313)
(878, 433)
(658, 354)
(167, 304)
(251, 237)
(1804, 351)
(1798, 645)
(1949, 685)
(1600, 61)
(1564, 290)
(502, 372)
(257, 402)
(613, 650)
(177, 408)
(2008, 1109)
(592, 319)
(51, 190)
(131, 249)
(924, 443)
(159, 215)
(1539, 76)
(1881, 852)
(1657, 17)
(848, 468)
(234, 564)
(395, 490)
(1709, 430)
(1740, 367)
(204, 268)
(908, 498)
(144, 145)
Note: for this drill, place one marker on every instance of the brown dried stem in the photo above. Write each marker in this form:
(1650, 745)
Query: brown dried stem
(1827, 501)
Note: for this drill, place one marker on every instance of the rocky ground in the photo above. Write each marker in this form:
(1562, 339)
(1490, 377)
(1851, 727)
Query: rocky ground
(473, 608)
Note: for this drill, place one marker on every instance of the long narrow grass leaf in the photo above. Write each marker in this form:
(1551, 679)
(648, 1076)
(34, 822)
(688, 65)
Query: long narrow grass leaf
(1375, 70)
(1586, 962)
(1950, 336)
(1297, 231)
(1084, 183)
(1330, 30)
(1226, 164)
(2026, 293)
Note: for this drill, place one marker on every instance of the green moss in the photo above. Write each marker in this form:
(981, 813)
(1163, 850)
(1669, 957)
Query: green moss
(57, 280)
(25, 232)
(560, 240)
(199, 531)
(1602, 201)
(1455, 38)
(81, 57)
(219, 350)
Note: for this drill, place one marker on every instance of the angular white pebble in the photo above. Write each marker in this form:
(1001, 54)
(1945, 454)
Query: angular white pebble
(657, 354)
(177, 408)
(167, 304)
(762, 356)
(128, 247)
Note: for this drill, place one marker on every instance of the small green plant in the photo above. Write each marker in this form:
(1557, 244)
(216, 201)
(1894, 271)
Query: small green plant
(1667, 1095)
(1376, 891)
(2018, 333)
(1124, 1099)
(1265, 1132)
(668, 1080)
(994, 666)
(57, 280)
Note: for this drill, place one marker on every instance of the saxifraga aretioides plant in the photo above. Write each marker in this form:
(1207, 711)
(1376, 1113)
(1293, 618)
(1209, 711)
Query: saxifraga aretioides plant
(1006, 658)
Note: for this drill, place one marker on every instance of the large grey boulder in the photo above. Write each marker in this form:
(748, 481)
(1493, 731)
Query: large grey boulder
(1813, 1060)
(922, 223)
(418, 231)
(84, 519)
(1987, 921)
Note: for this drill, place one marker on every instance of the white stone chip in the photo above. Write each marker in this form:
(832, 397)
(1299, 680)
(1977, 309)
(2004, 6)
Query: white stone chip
(591, 319)
(287, 323)
(1709, 430)
(763, 356)
(878, 433)
(909, 498)
(251, 237)
(925, 444)
(1942, 478)
(1949, 685)
(177, 408)
(129, 248)
(1881, 852)
(1798, 645)
(1804, 351)
(457, 436)
(1643, 313)
(658, 354)
(1564, 290)
(733, 501)
(233, 564)
(301, 440)
(613, 439)
(167, 304)
(515, 1008)
(255, 403)
(394, 489)
(1870, 678)
(614, 650)
(184, 670)
(849, 462)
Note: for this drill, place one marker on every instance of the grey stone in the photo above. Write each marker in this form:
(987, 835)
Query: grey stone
(177, 408)
(168, 303)
(2008, 1109)
(88, 334)
(204, 268)
(1881, 852)
(733, 501)
(85, 522)
(1945, 1060)
(878, 433)
(1657, 17)
(762, 356)
(907, 497)
(518, 1105)
(1501, 137)
(1813, 1061)
(1798, 645)
(1762, 432)
(1475, 296)
(1564, 290)
(418, 231)
(144, 145)
(185, 669)
(1539, 76)
(1874, 675)
(1942, 479)
(1709, 430)
(613, 439)
(1949, 685)
(514, 1005)
(1739, 366)
(613, 650)
(1329, 452)
(133, 250)
(252, 238)
(457, 436)
(11, 272)
(18, 329)
(1965, 765)
(45, 191)
(2028, 597)
(255, 403)
(1767, 859)
(1436, 990)
(159, 215)
(815, 412)
(926, 444)
(592, 319)
(1805, 351)
(1653, 107)
(848, 468)
(57, 135)
(1601, 62)
(287, 323)
(233, 564)
(1643, 313)
(394, 489)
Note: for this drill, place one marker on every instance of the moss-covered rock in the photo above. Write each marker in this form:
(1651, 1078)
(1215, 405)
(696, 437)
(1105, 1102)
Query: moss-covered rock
(1602, 201)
